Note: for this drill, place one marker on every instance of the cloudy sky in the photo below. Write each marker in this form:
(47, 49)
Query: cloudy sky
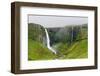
(56, 21)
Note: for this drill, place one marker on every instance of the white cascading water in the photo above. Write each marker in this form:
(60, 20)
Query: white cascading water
(48, 42)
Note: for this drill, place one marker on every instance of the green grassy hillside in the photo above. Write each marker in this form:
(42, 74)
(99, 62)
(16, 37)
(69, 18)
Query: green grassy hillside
(37, 51)
(76, 51)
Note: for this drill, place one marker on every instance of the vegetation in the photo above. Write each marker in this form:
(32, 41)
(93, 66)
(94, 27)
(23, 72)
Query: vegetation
(37, 51)
(76, 50)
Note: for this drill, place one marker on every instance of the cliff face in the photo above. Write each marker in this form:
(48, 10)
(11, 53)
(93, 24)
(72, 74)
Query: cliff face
(67, 34)
(36, 32)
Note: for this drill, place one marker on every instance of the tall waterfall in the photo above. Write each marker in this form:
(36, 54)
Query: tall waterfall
(48, 42)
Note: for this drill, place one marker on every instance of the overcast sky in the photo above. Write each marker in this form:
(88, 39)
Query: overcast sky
(56, 21)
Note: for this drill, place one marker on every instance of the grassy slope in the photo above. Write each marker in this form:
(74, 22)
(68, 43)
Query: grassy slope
(36, 51)
(77, 50)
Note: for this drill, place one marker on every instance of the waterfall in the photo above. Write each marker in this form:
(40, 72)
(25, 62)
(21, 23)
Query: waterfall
(48, 42)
